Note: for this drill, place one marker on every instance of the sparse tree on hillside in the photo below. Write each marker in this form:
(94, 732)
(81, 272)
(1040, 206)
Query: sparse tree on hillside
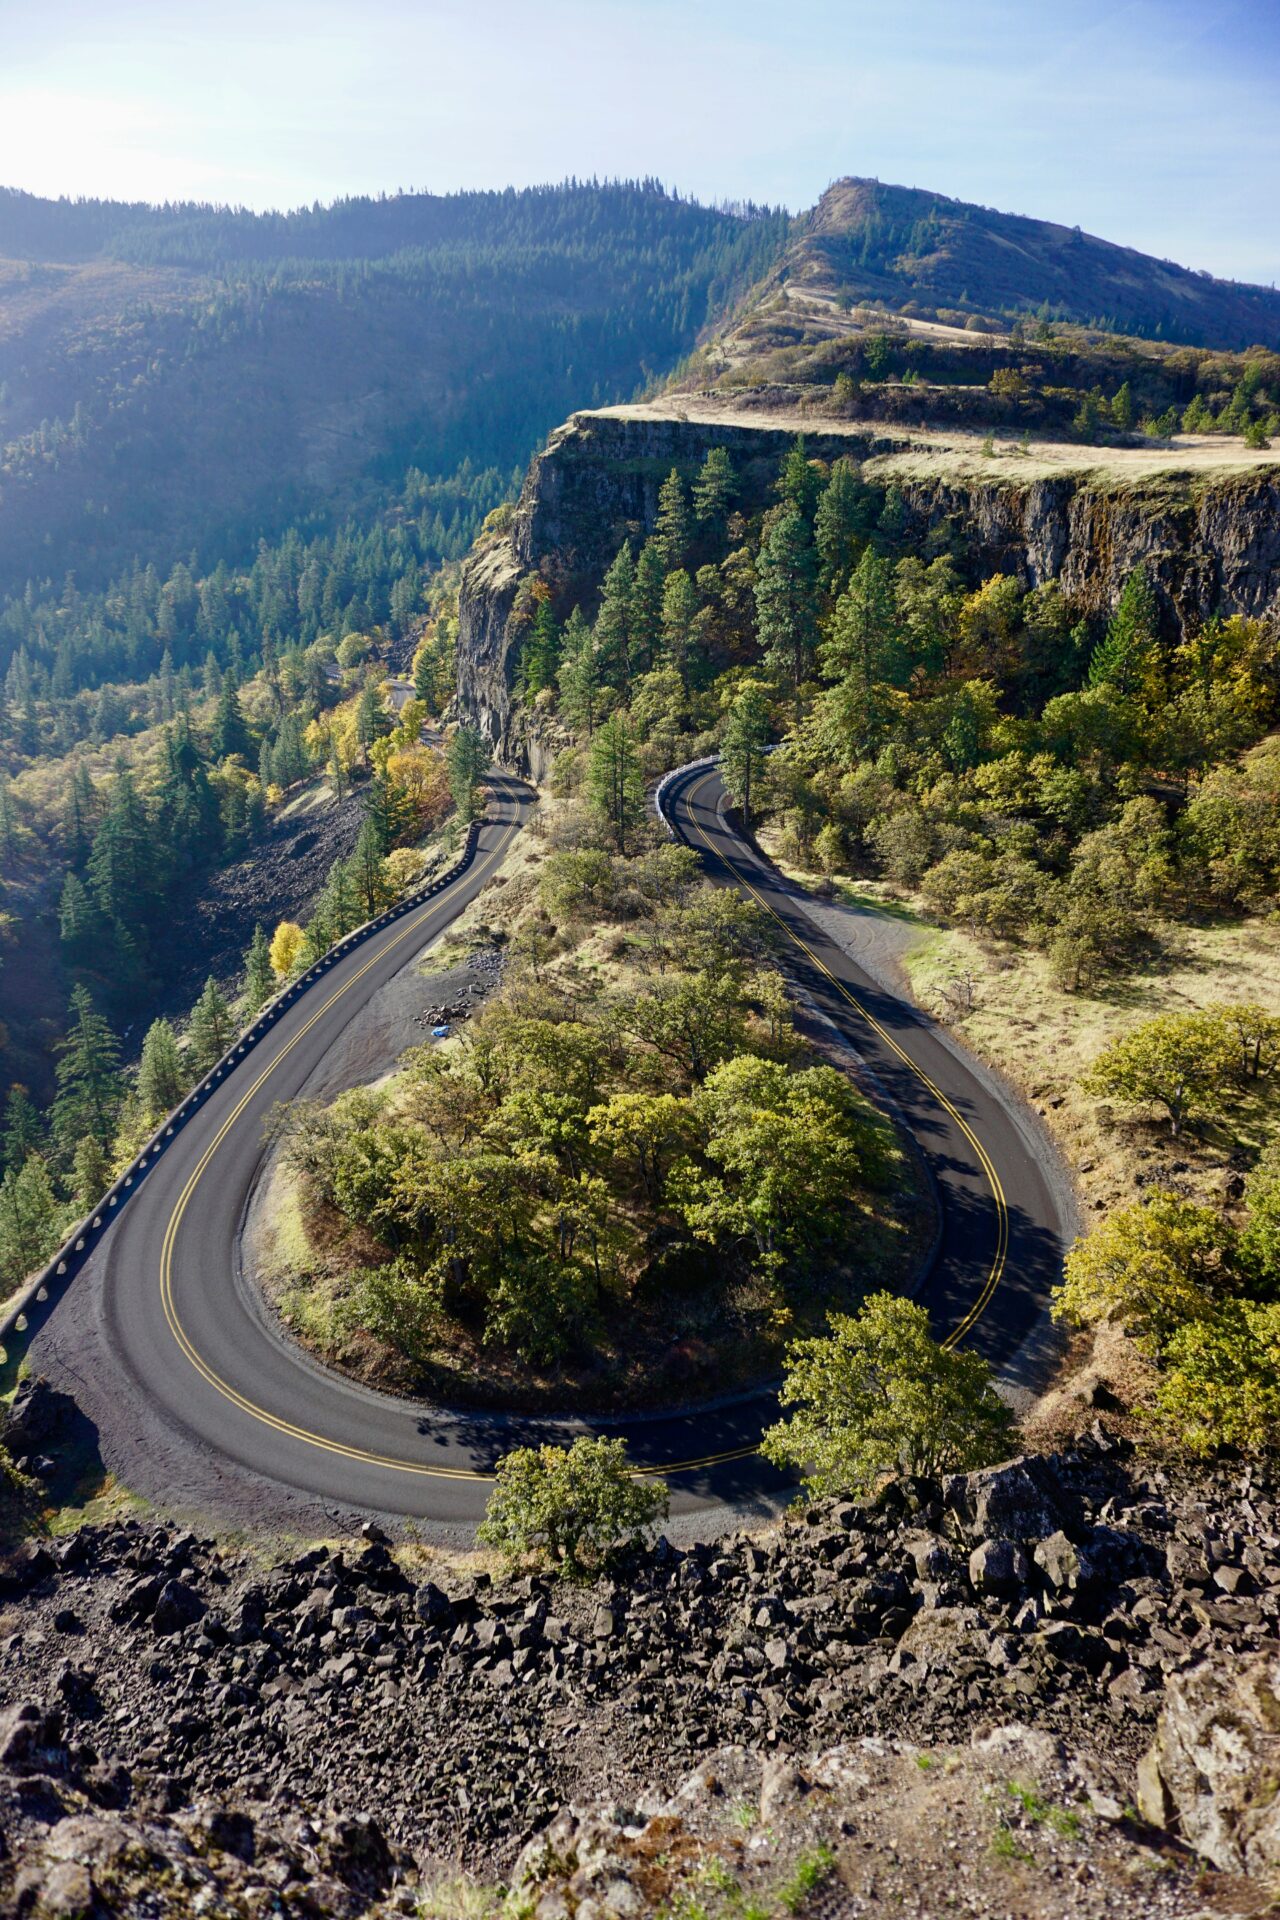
(286, 945)
(579, 679)
(879, 1395)
(89, 1084)
(160, 1074)
(30, 1220)
(212, 1029)
(1152, 1267)
(259, 975)
(230, 733)
(679, 612)
(1179, 1061)
(615, 787)
(22, 1129)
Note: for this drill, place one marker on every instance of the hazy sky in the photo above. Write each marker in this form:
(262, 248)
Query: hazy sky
(1153, 122)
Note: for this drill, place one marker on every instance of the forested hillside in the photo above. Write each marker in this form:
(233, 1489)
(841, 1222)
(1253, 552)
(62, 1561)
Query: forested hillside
(189, 378)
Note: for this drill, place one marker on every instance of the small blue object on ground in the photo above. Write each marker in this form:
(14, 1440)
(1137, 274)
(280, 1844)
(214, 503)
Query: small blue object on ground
(439, 1033)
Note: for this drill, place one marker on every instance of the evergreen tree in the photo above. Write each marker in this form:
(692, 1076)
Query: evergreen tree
(8, 822)
(466, 757)
(714, 490)
(22, 1130)
(230, 733)
(863, 639)
(784, 593)
(742, 753)
(259, 979)
(29, 1220)
(673, 521)
(799, 481)
(1128, 655)
(540, 655)
(646, 607)
(160, 1075)
(837, 524)
(679, 611)
(371, 718)
(90, 1173)
(79, 922)
(89, 1084)
(367, 876)
(212, 1029)
(615, 788)
(579, 678)
(613, 621)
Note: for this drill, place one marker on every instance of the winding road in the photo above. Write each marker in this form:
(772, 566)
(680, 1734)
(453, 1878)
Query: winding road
(171, 1337)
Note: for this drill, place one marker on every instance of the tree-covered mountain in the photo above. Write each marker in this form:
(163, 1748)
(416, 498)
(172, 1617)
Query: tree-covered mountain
(187, 379)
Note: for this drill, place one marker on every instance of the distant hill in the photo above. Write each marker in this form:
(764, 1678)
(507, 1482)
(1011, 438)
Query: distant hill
(189, 378)
(865, 241)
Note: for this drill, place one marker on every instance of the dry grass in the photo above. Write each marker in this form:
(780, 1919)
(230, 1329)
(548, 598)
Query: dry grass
(902, 452)
(1043, 1039)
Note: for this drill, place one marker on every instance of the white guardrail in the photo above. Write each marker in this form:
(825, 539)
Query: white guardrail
(74, 1251)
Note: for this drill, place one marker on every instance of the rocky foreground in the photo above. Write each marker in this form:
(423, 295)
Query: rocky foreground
(1047, 1688)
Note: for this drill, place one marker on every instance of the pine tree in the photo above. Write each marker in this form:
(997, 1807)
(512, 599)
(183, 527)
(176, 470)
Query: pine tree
(160, 1075)
(22, 1130)
(230, 733)
(863, 640)
(79, 922)
(784, 593)
(742, 754)
(646, 607)
(367, 876)
(799, 480)
(613, 622)
(615, 787)
(1128, 656)
(541, 652)
(89, 1084)
(466, 758)
(29, 1220)
(579, 675)
(8, 822)
(837, 524)
(259, 979)
(679, 611)
(212, 1029)
(673, 521)
(714, 490)
(90, 1174)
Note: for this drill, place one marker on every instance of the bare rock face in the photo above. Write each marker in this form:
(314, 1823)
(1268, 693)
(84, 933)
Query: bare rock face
(1213, 1770)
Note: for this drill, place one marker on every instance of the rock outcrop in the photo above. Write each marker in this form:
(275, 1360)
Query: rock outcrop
(1211, 542)
(1213, 1771)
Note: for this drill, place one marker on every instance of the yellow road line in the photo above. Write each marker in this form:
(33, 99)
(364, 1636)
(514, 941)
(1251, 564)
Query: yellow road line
(175, 1220)
(292, 1431)
(992, 1281)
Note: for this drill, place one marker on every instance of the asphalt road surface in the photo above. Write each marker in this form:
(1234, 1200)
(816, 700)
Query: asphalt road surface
(183, 1333)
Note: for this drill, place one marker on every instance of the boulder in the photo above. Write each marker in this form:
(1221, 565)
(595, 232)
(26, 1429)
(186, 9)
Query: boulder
(1212, 1773)
(998, 1566)
(1003, 1503)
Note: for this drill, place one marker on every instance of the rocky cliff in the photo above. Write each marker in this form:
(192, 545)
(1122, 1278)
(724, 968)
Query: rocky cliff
(186, 1728)
(1210, 537)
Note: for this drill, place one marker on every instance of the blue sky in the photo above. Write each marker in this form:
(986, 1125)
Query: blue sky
(1153, 122)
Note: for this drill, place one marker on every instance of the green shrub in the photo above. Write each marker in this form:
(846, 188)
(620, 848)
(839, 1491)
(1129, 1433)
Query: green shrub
(569, 1508)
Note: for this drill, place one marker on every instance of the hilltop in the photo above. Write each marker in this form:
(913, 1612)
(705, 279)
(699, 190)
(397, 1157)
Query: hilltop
(921, 252)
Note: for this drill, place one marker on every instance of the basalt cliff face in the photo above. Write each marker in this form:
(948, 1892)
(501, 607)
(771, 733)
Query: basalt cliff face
(1211, 540)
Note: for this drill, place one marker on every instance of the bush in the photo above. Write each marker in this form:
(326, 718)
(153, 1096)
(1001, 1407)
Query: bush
(879, 1395)
(1221, 1385)
(570, 1507)
(1152, 1267)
